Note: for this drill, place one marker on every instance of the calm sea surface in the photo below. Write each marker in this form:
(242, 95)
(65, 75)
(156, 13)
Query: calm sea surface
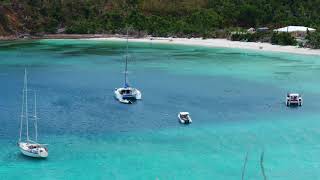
(235, 97)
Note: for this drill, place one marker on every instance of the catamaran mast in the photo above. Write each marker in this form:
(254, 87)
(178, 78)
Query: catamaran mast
(35, 116)
(126, 68)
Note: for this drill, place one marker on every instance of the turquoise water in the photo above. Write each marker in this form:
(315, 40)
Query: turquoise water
(236, 99)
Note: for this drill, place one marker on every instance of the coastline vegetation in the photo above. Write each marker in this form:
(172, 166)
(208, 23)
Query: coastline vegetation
(283, 39)
(314, 40)
(252, 37)
(175, 18)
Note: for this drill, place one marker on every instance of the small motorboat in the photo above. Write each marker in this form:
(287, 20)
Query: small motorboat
(293, 99)
(184, 118)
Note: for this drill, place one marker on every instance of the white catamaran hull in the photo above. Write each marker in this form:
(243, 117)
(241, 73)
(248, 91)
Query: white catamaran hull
(136, 95)
(40, 152)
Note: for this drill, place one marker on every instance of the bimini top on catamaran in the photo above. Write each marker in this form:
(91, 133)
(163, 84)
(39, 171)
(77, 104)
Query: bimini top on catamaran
(28, 147)
(127, 94)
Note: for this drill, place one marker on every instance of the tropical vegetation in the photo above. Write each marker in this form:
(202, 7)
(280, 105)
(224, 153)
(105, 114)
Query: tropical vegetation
(182, 18)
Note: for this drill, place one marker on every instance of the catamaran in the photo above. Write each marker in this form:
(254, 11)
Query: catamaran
(27, 146)
(127, 94)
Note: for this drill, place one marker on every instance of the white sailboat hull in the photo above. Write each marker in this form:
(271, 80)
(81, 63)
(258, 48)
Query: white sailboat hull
(39, 152)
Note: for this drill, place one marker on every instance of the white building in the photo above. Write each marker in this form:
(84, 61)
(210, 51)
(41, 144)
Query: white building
(296, 31)
(251, 30)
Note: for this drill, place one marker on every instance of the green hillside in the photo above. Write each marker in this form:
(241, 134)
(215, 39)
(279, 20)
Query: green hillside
(183, 18)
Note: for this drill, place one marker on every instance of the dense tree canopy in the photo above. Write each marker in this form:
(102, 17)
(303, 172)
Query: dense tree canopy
(159, 17)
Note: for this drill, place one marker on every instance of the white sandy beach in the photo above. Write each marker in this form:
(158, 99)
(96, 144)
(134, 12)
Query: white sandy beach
(222, 43)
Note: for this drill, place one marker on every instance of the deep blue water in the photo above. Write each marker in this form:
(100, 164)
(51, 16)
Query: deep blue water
(235, 97)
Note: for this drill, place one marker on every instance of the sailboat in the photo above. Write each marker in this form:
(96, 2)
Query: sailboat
(127, 94)
(27, 146)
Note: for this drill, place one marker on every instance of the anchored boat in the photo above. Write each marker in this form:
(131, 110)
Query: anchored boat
(27, 146)
(293, 99)
(184, 118)
(127, 94)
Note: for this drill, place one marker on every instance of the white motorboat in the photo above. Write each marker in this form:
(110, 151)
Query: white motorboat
(294, 99)
(127, 94)
(184, 118)
(28, 147)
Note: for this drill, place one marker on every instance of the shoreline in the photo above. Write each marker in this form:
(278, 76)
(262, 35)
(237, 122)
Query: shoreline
(219, 43)
(216, 43)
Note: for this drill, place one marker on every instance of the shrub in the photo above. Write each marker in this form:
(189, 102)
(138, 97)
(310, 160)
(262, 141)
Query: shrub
(283, 39)
(314, 40)
(259, 36)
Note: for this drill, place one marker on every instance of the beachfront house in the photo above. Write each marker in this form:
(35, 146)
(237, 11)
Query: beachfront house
(262, 29)
(299, 32)
(251, 30)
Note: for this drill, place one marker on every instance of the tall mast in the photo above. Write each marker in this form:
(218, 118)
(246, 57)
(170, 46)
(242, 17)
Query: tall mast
(26, 101)
(35, 116)
(126, 68)
(22, 113)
